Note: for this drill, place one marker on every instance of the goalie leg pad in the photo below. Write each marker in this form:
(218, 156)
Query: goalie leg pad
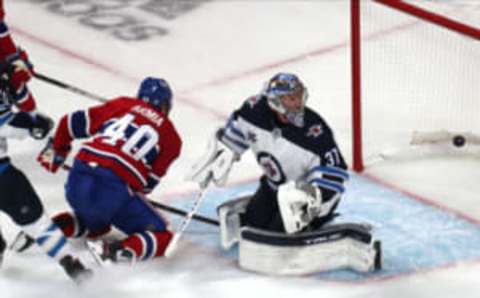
(347, 246)
(229, 214)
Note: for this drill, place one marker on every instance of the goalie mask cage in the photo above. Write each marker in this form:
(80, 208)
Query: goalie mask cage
(415, 75)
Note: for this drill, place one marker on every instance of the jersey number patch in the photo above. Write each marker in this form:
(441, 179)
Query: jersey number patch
(139, 140)
(332, 157)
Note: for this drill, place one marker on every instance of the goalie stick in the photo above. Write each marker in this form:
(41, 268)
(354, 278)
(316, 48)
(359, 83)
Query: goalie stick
(172, 246)
(181, 212)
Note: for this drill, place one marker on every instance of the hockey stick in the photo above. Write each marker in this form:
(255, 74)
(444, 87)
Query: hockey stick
(69, 87)
(177, 211)
(172, 246)
(171, 209)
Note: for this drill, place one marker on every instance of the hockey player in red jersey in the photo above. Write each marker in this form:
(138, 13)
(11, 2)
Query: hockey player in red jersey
(19, 67)
(131, 144)
(18, 198)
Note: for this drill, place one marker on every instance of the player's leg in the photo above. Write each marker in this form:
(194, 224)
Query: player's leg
(99, 198)
(262, 211)
(148, 236)
(73, 227)
(92, 194)
(229, 215)
(22, 204)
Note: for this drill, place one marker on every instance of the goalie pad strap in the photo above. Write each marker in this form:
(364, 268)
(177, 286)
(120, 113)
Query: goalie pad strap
(326, 234)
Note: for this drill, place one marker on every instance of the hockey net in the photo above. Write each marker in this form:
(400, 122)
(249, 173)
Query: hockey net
(415, 78)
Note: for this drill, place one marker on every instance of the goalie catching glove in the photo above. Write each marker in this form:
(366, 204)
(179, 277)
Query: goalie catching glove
(215, 164)
(300, 205)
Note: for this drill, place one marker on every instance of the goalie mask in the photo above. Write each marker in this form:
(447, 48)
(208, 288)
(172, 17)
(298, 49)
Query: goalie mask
(157, 93)
(287, 95)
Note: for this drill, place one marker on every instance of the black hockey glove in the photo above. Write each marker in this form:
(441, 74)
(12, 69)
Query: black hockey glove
(42, 124)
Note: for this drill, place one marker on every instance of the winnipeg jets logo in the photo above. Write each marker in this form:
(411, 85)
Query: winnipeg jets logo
(315, 131)
(271, 167)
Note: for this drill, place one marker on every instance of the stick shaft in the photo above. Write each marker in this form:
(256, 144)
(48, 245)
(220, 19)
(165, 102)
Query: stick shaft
(172, 246)
(69, 87)
(178, 211)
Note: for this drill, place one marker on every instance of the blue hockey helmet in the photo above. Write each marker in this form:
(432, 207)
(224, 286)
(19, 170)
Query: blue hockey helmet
(286, 84)
(156, 92)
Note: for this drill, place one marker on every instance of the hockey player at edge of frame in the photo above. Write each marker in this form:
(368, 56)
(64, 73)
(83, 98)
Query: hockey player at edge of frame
(288, 220)
(130, 144)
(19, 119)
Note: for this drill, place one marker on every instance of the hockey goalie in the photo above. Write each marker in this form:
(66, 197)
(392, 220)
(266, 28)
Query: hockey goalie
(286, 227)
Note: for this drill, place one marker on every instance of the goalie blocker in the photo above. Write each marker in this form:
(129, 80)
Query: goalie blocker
(340, 246)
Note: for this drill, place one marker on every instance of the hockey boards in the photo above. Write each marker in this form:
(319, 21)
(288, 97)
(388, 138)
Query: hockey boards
(342, 246)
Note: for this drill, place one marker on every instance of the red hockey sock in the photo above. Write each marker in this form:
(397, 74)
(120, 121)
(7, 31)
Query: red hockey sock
(68, 223)
(71, 227)
(148, 245)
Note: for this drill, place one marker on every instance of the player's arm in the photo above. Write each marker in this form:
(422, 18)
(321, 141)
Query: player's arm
(81, 124)
(233, 135)
(224, 148)
(76, 125)
(16, 63)
(170, 150)
(20, 125)
(7, 46)
(8, 131)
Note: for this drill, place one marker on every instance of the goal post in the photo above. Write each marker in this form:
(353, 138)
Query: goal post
(415, 69)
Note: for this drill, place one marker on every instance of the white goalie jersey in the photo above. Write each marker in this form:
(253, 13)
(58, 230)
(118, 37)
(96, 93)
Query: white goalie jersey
(307, 154)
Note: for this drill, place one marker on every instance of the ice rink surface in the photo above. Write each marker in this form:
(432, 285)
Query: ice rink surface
(215, 54)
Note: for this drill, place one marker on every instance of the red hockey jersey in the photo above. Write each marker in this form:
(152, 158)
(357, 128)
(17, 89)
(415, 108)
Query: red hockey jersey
(127, 135)
(8, 51)
(7, 46)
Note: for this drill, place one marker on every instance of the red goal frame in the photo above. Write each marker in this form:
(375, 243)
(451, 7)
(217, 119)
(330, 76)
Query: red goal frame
(356, 77)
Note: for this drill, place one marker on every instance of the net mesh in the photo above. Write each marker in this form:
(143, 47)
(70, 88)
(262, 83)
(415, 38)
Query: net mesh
(417, 78)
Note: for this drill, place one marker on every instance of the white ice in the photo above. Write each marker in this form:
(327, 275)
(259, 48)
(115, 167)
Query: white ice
(214, 57)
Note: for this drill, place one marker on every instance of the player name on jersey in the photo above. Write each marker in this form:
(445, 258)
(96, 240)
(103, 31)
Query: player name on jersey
(150, 114)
